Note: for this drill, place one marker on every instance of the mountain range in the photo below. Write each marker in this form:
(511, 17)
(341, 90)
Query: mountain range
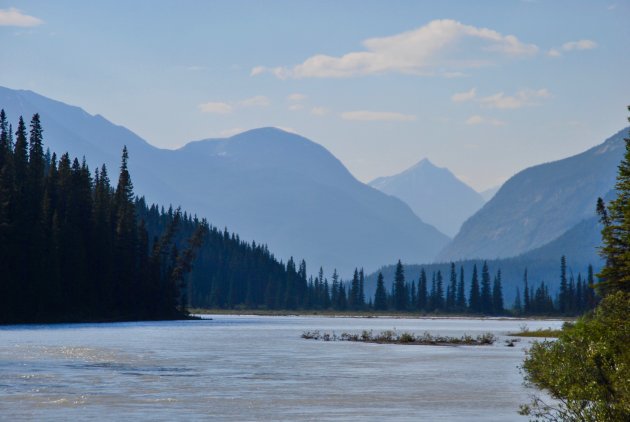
(434, 194)
(268, 185)
(539, 205)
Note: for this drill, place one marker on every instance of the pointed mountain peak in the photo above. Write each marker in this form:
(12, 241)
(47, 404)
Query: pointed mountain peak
(424, 165)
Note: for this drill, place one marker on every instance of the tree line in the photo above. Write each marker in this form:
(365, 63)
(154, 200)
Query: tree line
(72, 246)
(75, 247)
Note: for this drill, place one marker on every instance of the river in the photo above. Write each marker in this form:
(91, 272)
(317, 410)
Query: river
(244, 368)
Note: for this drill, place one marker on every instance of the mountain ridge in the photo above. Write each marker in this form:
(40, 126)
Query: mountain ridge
(539, 204)
(267, 185)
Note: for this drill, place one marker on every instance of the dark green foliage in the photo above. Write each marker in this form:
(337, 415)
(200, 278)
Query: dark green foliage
(486, 293)
(380, 297)
(586, 370)
(460, 298)
(400, 292)
(474, 299)
(497, 295)
(73, 248)
(422, 291)
(615, 218)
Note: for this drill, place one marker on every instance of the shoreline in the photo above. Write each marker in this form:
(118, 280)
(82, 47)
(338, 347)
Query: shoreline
(367, 315)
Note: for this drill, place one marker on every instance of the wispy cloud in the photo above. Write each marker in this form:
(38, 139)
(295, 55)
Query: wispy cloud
(319, 111)
(572, 46)
(420, 51)
(461, 97)
(14, 17)
(480, 120)
(226, 108)
(296, 107)
(384, 116)
(522, 98)
(579, 45)
(215, 107)
(257, 101)
(554, 53)
(296, 97)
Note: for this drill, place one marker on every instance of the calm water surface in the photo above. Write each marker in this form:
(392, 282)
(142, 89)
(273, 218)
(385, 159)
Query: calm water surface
(258, 368)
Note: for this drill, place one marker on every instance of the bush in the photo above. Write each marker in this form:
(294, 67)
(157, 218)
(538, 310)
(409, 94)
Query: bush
(587, 370)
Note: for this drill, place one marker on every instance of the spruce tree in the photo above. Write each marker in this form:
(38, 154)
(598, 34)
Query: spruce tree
(361, 289)
(452, 289)
(563, 298)
(439, 292)
(380, 297)
(517, 308)
(486, 293)
(422, 291)
(353, 296)
(474, 298)
(400, 294)
(615, 276)
(497, 295)
(526, 296)
(460, 300)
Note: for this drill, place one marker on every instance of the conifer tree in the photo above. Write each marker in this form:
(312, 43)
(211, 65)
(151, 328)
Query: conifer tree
(460, 300)
(486, 293)
(526, 296)
(497, 295)
(452, 289)
(380, 297)
(517, 308)
(615, 276)
(361, 299)
(563, 298)
(400, 294)
(439, 292)
(353, 296)
(422, 291)
(474, 299)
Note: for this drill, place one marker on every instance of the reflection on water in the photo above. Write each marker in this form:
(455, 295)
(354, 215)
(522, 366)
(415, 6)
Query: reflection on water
(258, 368)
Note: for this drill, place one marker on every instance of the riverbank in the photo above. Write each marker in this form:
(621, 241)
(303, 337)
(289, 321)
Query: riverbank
(367, 314)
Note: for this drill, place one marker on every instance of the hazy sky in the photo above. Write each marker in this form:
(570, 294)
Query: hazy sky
(485, 88)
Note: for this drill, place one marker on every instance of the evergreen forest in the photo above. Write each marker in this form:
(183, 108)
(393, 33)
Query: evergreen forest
(76, 247)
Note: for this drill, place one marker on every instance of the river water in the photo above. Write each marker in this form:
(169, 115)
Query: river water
(244, 368)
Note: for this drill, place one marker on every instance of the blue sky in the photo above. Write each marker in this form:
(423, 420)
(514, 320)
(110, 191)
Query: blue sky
(484, 88)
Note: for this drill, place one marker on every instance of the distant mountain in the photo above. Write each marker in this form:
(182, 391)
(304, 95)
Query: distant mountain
(539, 204)
(489, 193)
(434, 194)
(267, 185)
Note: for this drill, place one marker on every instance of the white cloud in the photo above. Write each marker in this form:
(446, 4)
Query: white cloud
(418, 52)
(522, 98)
(296, 97)
(452, 75)
(319, 111)
(257, 101)
(13, 17)
(231, 132)
(579, 45)
(553, 53)
(257, 70)
(226, 108)
(460, 97)
(215, 107)
(295, 107)
(480, 120)
(386, 116)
